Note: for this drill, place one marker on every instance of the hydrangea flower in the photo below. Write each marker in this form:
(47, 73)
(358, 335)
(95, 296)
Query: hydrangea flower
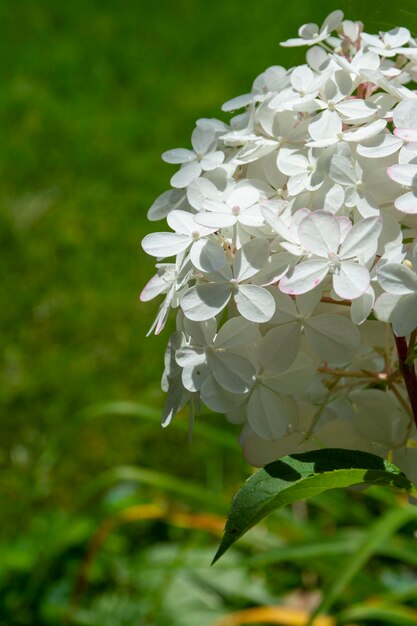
(294, 253)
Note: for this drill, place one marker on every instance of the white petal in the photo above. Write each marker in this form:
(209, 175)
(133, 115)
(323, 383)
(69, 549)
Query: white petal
(216, 219)
(295, 380)
(304, 277)
(381, 145)
(165, 244)
(356, 110)
(203, 139)
(385, 305)
(250, 259)
(291, 162)
(397, 37)
(254, 303)
(232, 371)
(238, 102)
(186, 174)
(332, 21)
(179, 155)
(193, 376)
(361, 237)
(280, 346)
(187, 356)
(301, 78)
(341, 170)
(326, 125)
(235, 333)
(182, 222)
(405, 114)
(243, 197)
(212, 160)
(202, 302)
(176, 399)
(334, 338)
(218, 399)
(319, 233)
(365, 132)
(207, 256)
(351, 281)
(404, 316)
(361, 307)
(201, 333)
(157, 285)
(396, 278)
(166, 202)
(268, 416)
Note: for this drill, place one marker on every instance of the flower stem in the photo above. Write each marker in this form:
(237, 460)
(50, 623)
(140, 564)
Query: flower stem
(408, 373)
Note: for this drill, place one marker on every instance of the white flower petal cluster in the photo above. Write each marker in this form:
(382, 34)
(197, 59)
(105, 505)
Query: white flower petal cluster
(294, 230)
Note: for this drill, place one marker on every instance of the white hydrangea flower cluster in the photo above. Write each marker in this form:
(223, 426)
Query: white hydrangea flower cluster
(294, 232)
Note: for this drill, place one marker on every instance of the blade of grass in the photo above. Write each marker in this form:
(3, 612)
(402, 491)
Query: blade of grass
(186, 489)
(146, 412)
(377, 535)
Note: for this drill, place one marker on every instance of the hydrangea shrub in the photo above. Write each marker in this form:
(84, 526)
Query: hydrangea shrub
(292, 253)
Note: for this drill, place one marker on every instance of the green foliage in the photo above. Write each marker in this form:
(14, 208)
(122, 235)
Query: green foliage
(300, 476)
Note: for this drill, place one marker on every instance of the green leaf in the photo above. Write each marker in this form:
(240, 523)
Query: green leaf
(301, 476)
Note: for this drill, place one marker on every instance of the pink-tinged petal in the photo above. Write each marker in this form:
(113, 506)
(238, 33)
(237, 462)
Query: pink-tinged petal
(154, 287)
(304, 277)
(406, 134)
(254, 303)
(407, 203)
(319, 233)
(351, 281)
(405, 174)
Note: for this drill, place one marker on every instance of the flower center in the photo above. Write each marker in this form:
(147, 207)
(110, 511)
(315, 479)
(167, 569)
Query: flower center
(334, 266)
(236, 210)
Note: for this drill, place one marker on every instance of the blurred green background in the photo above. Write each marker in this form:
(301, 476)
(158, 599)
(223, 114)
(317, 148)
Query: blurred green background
(92, 92)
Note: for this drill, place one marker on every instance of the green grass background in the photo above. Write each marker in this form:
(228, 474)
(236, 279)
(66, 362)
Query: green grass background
(91, 93)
